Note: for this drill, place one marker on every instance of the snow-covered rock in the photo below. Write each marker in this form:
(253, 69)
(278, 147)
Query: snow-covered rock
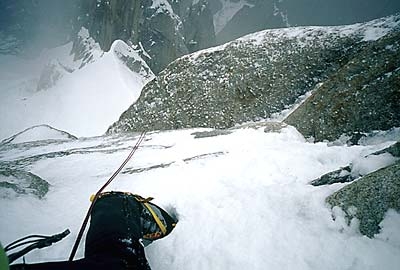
(361, 166)
(153, 25)
(259, 75)
(369, 198)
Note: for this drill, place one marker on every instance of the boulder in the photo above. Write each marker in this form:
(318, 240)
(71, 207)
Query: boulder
(369, 198)
(342, 175)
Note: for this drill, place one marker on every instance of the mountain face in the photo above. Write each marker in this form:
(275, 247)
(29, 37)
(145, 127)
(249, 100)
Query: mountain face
(261, 74)
(168, 29)
(165, 30)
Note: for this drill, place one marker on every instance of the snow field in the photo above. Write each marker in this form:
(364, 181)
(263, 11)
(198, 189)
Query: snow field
(244, 202)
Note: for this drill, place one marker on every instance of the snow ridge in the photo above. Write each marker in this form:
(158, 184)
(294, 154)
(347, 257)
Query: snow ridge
(38, 133)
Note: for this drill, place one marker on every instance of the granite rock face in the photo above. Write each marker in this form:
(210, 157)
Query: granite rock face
(361, 96)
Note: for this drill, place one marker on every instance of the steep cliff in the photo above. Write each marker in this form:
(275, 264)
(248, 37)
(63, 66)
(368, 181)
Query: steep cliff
(165, 30)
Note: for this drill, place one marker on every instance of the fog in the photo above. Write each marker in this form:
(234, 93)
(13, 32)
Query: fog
(35, 24)
(32, 25)
(261, 14)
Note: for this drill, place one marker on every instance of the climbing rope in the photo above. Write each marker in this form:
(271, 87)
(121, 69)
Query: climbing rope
(96, 196)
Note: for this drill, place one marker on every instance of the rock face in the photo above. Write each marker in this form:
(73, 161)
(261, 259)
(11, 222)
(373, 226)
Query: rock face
(165, 30)
(23, 182)
(341, 175)
(197, 20)
(261, 74)
(362, 96)
(168, 29)
(368, 198)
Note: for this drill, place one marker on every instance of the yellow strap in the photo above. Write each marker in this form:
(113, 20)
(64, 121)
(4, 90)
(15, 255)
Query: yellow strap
(156, 218)
(143, 200)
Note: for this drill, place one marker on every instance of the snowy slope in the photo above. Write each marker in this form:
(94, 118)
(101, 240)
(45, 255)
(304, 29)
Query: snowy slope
(243, 199)
(38, 133)
(83, 97)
